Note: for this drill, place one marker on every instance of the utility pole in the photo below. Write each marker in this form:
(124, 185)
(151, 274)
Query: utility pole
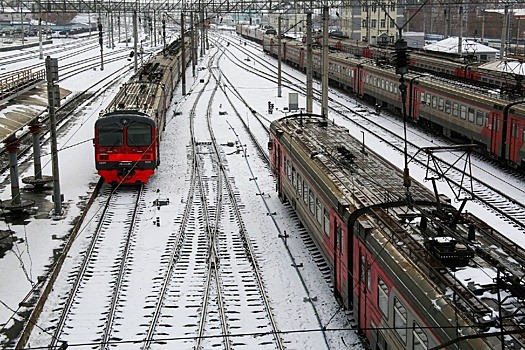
(194, 42)
(460, 36)
(309, 63)
(100, 42)
(183, 54)
(402, 69)
(135, 40)
(279, 57)
(504, 32)
(324, 70)
(52, 88)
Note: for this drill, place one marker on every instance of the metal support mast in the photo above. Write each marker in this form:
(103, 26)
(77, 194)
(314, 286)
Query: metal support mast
(309, 64)
(279, 33)
(324, 70)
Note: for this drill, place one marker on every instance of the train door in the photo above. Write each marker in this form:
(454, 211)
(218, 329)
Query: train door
(495, 135)
(515, 141)
(278, 167)
(415, 104)
(360, 80)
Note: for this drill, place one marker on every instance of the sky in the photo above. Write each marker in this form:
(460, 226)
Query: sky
(292, 289)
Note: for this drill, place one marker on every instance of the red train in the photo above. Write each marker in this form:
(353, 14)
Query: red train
(404, 265)
(440, 64)
(461, 112)
(127, 135)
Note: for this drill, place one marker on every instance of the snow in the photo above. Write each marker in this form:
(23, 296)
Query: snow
(450, 45)
(301, 295)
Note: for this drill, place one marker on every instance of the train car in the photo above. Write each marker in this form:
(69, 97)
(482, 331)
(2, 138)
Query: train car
(459, 111)
(127, 133)
(252, 32)
(445, 65)
(394, 259)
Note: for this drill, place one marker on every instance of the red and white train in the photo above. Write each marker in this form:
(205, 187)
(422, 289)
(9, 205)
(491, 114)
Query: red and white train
(440, 64)
(127, 134)
(404, 264)
(461, 112)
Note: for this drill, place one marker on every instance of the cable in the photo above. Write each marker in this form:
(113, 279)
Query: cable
(262, 334)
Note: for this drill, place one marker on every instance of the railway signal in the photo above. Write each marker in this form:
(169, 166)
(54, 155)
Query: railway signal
(401, 56)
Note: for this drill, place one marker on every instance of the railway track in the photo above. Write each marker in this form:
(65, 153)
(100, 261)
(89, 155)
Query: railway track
(230, 254)
(229, 89)
(104, 267)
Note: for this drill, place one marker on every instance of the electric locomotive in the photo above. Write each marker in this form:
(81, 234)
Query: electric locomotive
(403, 261)
(127, 134)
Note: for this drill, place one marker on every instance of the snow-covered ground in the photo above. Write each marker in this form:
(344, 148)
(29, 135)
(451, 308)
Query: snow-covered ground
(37, 240)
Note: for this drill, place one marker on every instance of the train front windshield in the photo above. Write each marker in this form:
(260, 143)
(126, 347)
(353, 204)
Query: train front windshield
(111, 135)
(139, 135)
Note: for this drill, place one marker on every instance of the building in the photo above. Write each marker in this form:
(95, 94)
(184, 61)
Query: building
(372, 22)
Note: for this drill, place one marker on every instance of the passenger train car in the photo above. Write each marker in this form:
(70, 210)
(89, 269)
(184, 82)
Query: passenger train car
(403, 263)
(441, 64)
(127, 134)
(461, 112)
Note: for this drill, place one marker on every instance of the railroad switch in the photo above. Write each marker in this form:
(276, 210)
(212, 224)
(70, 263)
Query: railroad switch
(160, 202)
(307, 299)
(157, 221)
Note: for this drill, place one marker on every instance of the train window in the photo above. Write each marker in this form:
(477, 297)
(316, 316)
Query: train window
(463, 112)
(429, 100)
(293, 176)
(495, 124)
(339, 236)
(326, 222)
(455, 109)
(434, 101)
(299, 185)
(514, 130)
(419, 338)
(311, 201)
(423, 98)
(447, 106)
(318, 211)
(362, 268)
(480, 117)
(368, 275)
(400, 320)
(139, 134)
(110, 135)
(440, 104)
(382, 296)
(471, 115)
(305, 192)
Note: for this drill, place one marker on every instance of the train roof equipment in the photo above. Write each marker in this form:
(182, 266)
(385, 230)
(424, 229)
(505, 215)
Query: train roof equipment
(423, 226)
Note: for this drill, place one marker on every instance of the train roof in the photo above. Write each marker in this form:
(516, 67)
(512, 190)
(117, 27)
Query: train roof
(511, 66)
(451, 45)
(422, 227)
